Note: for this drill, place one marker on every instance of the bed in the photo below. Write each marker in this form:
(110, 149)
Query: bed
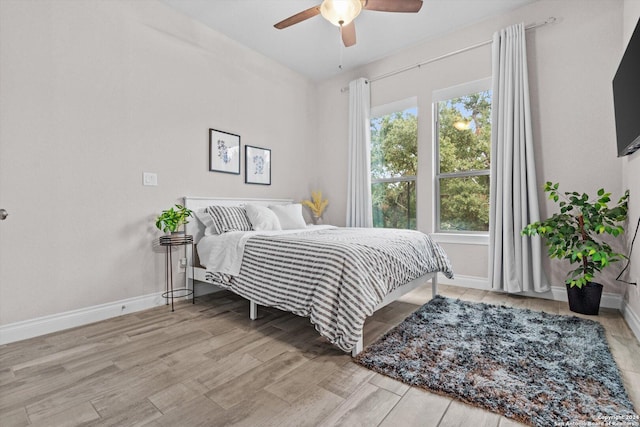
(334, 276)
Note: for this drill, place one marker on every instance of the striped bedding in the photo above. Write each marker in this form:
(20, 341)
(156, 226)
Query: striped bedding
(336, 276)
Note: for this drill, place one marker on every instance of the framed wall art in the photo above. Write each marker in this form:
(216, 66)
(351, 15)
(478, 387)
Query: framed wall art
(257, 165)
(224, 152)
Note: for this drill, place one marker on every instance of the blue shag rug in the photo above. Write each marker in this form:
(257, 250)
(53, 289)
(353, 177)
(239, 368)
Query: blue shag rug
(537, 368)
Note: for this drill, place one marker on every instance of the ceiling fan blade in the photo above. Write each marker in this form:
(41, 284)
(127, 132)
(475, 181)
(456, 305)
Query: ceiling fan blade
(298, 17)
(348, 34)
(407, 6)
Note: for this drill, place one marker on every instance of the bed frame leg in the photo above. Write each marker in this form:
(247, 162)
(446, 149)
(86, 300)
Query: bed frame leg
(357, 349)
(434, 285)
(253, 310)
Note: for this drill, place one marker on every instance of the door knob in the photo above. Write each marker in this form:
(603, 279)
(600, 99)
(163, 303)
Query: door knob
(3, 214)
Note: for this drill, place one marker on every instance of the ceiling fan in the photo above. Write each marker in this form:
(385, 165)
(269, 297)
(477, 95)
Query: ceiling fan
(341, 13)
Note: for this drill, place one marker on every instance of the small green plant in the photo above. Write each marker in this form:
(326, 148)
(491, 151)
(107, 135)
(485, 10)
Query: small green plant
(575, 234)
(172, 219)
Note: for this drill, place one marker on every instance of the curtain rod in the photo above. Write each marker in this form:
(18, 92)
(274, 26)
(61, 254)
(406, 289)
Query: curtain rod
(550, 20)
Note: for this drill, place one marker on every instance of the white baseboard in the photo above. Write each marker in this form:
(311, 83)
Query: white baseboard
(57, 322)
(557, 293)
(465, 282)
(608, 300)
(70, 319)
(632, 318)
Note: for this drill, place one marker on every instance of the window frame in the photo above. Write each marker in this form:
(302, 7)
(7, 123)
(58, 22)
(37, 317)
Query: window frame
(387, 109)
(454, 236)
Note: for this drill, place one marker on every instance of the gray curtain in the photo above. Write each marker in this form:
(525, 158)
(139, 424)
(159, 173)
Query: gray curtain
(359, 210)
(515, 261)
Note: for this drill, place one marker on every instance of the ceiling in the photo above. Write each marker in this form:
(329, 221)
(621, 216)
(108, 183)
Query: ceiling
(313, 47)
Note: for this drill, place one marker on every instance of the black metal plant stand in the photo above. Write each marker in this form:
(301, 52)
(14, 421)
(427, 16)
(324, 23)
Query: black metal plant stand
(168, 242)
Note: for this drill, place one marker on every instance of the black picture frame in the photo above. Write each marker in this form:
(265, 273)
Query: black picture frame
(257, 165)
(224, 152)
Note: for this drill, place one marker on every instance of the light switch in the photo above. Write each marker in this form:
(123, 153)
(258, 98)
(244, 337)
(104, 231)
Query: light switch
(149, 178)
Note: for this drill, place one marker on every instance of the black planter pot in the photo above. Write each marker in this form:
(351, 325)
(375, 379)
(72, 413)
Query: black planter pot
(585, 300)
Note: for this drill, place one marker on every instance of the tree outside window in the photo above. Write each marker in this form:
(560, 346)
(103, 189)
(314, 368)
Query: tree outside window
(394, 164)
(463, 159)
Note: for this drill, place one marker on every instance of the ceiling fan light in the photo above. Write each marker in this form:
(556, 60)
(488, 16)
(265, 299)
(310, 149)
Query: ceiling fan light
(340, 12)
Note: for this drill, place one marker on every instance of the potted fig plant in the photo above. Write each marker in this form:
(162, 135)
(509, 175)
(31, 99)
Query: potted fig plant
(172, 219)
(576, 234)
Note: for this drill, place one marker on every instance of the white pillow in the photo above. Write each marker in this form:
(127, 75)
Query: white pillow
(206, 220)
(290, 216)
(262, 218)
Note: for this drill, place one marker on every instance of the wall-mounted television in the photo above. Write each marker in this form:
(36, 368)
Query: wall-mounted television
(626, 97)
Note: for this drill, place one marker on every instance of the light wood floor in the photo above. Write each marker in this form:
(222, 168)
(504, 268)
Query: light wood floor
(207, 365)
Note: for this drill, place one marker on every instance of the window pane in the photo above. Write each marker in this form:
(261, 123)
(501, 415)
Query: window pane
(465, 133)
(394, 159)
(394, 145)
(394, 204)
(464, 203)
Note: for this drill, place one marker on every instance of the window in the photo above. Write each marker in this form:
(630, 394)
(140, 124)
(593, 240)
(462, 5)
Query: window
(394, 164)
(463, 149)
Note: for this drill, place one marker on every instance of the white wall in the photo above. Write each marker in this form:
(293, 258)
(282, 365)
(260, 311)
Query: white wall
(93, 93)
(571, 65)
(631, 178)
